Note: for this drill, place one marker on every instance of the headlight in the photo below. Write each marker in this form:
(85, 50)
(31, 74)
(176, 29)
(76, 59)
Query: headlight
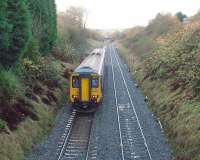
(75, 96)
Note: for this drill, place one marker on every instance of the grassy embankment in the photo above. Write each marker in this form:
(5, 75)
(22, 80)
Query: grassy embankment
(29, 114)
(164, 58)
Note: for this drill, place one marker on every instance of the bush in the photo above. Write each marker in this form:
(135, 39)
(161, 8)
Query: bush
(48, 71)
(30, 70)
(32, 51)
(2, 124)
(9, 85)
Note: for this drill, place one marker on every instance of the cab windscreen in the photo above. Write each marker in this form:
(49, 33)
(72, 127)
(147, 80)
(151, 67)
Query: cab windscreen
(95, 83)
(75, 82)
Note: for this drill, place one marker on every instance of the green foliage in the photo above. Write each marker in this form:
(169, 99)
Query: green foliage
(40, 69)
(48, 72)
(19, 18)
(181, 16)
(2, 124)
(44, 26)
(4, 28)
(178, 61)
(9, 84)
(32, 51)
(23, 24)
(30, 70)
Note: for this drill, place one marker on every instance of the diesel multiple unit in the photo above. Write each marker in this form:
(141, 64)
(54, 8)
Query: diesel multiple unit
(86, 82)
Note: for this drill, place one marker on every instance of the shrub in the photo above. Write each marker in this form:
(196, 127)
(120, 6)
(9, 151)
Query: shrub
(32, 51)
(9, 84)
(2, 124)
(48, 71)
(30, 70)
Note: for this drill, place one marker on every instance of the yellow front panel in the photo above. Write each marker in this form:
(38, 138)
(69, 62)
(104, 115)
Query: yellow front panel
(85, 89)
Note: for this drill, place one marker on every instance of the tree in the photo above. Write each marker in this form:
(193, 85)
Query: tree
(181, 16)
(18, 34)
(49, 32)
(75, 16)
(4, 30)
(23, 23)
(44, 24)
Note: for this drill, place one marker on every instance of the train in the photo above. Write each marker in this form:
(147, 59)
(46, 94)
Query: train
(87, 82)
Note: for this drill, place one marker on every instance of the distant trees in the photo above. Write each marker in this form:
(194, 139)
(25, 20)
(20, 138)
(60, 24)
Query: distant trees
(181, 16)
(161, 24)
(23, 24)
(71, 29)
(144, 40)
(75, 16)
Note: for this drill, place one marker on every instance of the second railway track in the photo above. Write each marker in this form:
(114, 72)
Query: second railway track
(77, 139)
(132, 140)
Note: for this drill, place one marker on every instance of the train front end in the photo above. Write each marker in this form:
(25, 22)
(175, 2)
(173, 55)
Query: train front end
(85, 90)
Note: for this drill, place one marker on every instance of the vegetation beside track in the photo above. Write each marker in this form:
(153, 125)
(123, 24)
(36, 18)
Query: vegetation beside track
(36, 58)
(164, 59)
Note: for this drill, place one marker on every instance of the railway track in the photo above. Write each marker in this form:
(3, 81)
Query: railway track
(76, 139)
(132, 139)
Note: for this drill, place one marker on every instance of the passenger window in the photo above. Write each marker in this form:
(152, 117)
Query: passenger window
(95, 83)
(75, 82)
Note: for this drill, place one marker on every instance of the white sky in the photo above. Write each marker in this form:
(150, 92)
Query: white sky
(116, 14)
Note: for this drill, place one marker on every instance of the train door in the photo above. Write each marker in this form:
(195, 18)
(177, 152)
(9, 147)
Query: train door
(85, 87)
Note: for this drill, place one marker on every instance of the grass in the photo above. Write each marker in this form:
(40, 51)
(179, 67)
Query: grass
(179, 114)
(15, 144)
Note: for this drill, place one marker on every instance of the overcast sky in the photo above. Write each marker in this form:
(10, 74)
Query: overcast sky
(116, 14)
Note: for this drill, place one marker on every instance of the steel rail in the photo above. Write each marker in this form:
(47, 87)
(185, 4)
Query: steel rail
(116, 103)
(88, 147)
(67, 135)
(133, 107)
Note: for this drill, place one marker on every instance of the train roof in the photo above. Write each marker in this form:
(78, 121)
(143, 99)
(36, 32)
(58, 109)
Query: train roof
(84, 70)
(93, 63)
